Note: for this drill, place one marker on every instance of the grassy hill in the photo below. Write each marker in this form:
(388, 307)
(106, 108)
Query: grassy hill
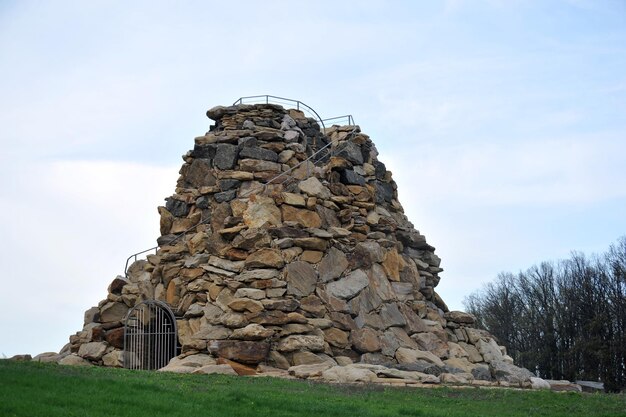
(34, 389)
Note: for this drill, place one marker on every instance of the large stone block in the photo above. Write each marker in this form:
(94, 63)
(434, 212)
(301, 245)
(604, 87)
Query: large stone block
(92, 350)
(301, 342)
(301, 278)
(240, 351)
(313, 187)
(255, 152)
(408, 356)
(265, 258)
(225, 156)
(261, 211)
(349, 151)
(348, 287)
(198, 174)
(112, 312)
(365, 340)
(304, 217)
(115, 337)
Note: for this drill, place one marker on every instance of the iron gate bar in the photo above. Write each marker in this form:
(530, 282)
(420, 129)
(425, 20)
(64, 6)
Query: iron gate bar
(150, 335)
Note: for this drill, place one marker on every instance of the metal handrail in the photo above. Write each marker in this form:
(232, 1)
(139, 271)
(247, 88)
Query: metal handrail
(347, 117)
(268, 182)
(268, 99)
(173, 240)
(134, 255)
(291, 169)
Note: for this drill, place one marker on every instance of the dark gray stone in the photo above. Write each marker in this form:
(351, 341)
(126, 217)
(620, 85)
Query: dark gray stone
(225, 156)
(391, 315)
(365, 302)
(287, 231)
(204, 151)
(333, 264)
(176, 207)
(247, 141)
(288, 304)
(301, 278)
(482, 372)
(231, 221)
(255, 152)
(431, 258)
(389, 343)
(348, 176)
(366, 253)
(349, 286)
(414, 324)
(225, 196)
(504, 371)
(380, 283)
(384, 192)
(372, 320)
(165, 239)
(202, 202)
(226, 185)
(377, 359)
(343, 321)
(198, 174)
(413, 240)
(366, 149)
(328, 216)
(452, 370)
(350, 151)
(379, 170)
(421, 366)
(252, 238)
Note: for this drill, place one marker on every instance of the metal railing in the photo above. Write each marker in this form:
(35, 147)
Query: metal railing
(155, 248)
(267, 99)
(134, 256)
(335, 120)
(291, 169)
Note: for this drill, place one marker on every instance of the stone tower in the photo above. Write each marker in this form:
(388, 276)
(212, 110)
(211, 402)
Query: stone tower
(285, 244)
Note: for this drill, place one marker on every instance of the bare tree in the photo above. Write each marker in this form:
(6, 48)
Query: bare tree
(565, 320)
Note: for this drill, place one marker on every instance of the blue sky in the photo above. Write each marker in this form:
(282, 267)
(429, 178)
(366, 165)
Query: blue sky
(503, 122)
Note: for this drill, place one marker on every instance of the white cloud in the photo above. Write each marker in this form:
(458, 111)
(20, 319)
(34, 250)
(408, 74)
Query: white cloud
(581, 169)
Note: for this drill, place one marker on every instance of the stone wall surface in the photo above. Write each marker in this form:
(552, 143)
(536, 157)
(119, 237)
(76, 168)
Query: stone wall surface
(318, 273)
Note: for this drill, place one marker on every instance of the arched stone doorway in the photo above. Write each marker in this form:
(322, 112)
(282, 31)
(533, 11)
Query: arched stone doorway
(150, 336)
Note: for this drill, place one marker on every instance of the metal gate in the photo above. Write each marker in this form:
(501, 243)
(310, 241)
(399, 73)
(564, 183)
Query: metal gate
(150, 337)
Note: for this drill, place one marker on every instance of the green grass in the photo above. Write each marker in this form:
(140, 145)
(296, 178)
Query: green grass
(34, 389)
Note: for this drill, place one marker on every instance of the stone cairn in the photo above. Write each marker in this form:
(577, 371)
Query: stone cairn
(314, 274)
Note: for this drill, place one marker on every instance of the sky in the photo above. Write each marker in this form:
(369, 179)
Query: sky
(503, 122)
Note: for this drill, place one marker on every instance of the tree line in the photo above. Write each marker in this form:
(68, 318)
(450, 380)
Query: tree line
(562, 320)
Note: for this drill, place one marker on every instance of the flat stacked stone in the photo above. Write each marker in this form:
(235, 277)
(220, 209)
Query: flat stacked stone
(317, 266)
